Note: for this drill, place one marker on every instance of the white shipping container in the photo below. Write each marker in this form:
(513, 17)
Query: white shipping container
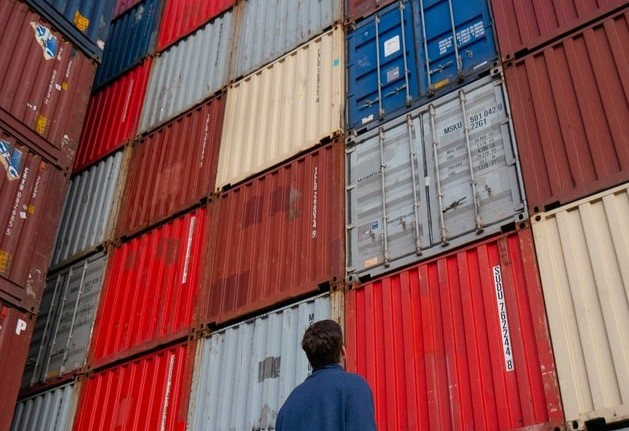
(244, 373)
(583, 257)
(283, 109)
(52, 410)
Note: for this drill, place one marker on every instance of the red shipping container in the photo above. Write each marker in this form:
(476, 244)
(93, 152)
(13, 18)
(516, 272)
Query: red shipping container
(44, 81)
(277, 236)
(113, 116)
(150, 290)
(459, 342)
(182, 17)
(150, 393)
(124, 5)
(357, 9)
(16, 329)
(172, 169)
(32, 193)
(525, 25)
(570, 107)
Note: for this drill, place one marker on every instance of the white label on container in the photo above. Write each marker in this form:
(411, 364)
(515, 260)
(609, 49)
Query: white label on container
(193, 221)
(502, 317)
(391, 46)
(393, 74)
(367, 119)
(169, 382)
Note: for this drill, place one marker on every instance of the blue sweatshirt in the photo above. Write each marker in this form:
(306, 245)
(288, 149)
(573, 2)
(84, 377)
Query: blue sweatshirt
(330, 399)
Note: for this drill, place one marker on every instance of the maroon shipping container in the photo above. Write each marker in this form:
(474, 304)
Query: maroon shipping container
(277, 236)
(459, 342)
(32, 193)
(173, 168)
(150, 290)
(524, 25)
(149, 393)
(44, 81)
(16, 329)
(113, 116)
(182, 17)
(357, 9)
(570, 106)
(124, 5)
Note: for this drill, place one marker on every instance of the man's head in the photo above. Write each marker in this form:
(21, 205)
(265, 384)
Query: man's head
(323, 343)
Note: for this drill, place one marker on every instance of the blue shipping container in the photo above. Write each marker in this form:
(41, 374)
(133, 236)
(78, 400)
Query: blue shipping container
(412, 50)
(131, 38)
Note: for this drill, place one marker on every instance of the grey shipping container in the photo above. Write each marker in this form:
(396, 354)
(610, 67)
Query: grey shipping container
(243, 374)
(439, 177)
(64, 325)
(52, 410)
(89, 210)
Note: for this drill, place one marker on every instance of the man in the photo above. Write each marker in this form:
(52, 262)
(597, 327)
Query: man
(330, 399)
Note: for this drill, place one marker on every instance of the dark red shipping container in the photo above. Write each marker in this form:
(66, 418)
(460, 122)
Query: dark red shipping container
(149, 393)
(113, 115)
(45, 82)
(182, 17)
(357, 9)
(525, 25)
(32, 193)
(570, 106)
(173, 168)
(124, 5)
(16, 329)
(459, 342)
(150, 290)
(277, 236)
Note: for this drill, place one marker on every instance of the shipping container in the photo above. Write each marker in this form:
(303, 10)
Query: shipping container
(16, 328)
(149, 393)
(89, 211)
(459, 342)
(65, 321)
(131, 38)
(172, 169)
(113, 115)
(123, 5)
(151, 288)
(190, 71)
(32, 196)
(288, 107)
(277, 237)
(583, 254)
(244, 373)
(521, 27)
(44, 81)
(571, 114)
(408, 52)
(442, 176)
(267, 30)
(52, 410)
(84, 22)
(357, 9)
(182, 17)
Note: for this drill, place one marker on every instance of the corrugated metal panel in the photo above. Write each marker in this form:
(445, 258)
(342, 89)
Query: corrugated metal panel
(181, 17)
(124, 5)
(405, 53)
(89, 211)
(583, 255)
(267, 30)
(571, 114)
(166, 177)
(16, 329)
(84, 22)
(283, 109)
(113, 115)
(442, 176)
(277, 236)
(356, 9)
(131, 38)
(64, 324)
(32, 195)
(244, 373)
(150, 393)
(52, 410)
(151, 287)
(523, 26)
(458, 343)
(188, 72)
(44, 81)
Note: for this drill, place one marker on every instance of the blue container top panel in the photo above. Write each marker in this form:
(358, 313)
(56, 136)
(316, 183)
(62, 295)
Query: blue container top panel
(89, 16)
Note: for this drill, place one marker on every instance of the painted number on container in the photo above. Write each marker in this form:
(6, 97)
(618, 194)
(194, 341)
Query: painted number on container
(502, 317)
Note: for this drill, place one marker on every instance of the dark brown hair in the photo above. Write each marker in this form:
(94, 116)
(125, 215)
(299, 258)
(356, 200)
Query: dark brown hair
(322, 343)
